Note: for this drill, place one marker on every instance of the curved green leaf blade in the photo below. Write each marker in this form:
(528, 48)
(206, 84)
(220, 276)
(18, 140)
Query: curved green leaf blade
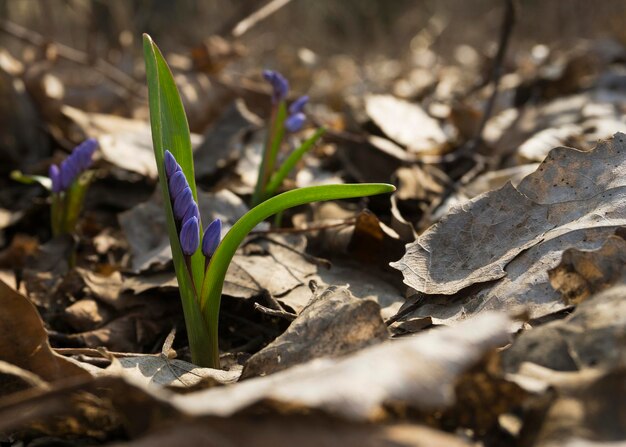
(214, 278)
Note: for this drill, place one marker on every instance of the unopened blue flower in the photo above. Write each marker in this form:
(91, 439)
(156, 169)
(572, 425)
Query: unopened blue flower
(280, 85)
(55, 175)
(211, 238)
(69, 171)
(84, 153)
(182, 202)
(192, 211)
(298, 105)
(177, 183)
(294, 123)
(190, 236)
(75, 164)
(171, 165)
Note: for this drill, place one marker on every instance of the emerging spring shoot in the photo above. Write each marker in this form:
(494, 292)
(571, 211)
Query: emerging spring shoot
(68, 186)
(201, 263)
(282, 119)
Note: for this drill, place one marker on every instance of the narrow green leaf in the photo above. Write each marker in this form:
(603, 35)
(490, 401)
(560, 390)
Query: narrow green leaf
(288, 165)
(170, 131)
(211, 293)
(26, 179)
(270, 152)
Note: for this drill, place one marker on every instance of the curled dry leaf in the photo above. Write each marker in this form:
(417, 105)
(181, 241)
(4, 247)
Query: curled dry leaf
(125, 143)
(406, 123)
(271, 431)
(359, 386)
(335, 323)
(587, 410)
(593, 336)
(173, 373)
(583, 273)
(515, 234)
(24, 341)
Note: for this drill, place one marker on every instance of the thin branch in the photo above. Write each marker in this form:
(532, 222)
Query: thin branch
(242, 27)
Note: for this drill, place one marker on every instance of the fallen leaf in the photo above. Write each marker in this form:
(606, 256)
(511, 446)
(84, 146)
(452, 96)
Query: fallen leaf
(584, 273)
(333, 324)
(123, 142)
(592, 336)
(271, 431)
(157, 370)
(24, 341)
(407, 123)
(512, 236)
(358, 386)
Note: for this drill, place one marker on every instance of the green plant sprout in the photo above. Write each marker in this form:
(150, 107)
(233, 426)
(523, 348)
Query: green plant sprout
(201, 265)
(68, 184)
(282, 119)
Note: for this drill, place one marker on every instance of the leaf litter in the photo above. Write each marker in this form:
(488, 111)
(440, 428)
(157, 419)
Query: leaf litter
(500, 323)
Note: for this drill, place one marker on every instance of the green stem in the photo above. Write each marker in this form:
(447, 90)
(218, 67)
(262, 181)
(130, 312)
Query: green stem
(288, 165)
(270, 152)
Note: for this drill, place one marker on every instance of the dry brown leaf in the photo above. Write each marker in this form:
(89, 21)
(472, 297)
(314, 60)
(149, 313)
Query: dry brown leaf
(24, 341)
(288, 431)
(334, 324)
(593, 336)
(125, 143)
(584, 273)
(407, 123)
(158, 370)
(588, 408)
(514, 235)
(359, 386)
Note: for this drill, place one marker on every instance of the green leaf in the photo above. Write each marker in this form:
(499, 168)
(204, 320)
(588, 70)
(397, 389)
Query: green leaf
(270, 152)
(170, 131)
(19, 176)
(288, 165)
(211, 293)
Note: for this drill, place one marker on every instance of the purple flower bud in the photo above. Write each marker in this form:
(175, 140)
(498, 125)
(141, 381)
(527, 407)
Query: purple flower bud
(295, 122)
(192, 211)
(181, 203)
(280, 85)
(177, 183)
(55, 175)
(190, 236)
(69, 171)
(211, 238)
(298, 105)
(84, 152)
(171, 165)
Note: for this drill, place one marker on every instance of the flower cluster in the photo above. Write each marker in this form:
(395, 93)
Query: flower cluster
(78, 162)
(280, 89)
(186, 212)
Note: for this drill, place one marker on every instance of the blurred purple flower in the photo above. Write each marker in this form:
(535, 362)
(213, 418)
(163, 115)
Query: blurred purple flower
(55, 175)
(298, 105)
(75, 164)
(211, 238)
(190, 236)
(294, 123)
(280, 85)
